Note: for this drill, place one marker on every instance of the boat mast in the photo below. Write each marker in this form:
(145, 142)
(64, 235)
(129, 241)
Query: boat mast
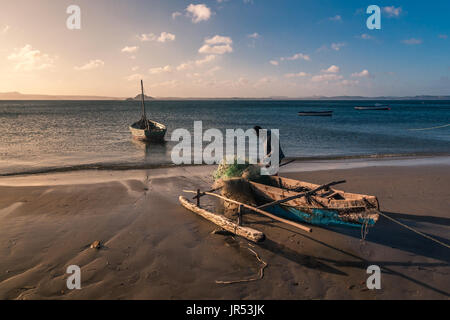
(144, 116)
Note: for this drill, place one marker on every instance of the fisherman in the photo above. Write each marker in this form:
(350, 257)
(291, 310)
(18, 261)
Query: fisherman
(268, 146)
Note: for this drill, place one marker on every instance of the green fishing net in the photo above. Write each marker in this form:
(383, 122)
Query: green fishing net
(235, 170)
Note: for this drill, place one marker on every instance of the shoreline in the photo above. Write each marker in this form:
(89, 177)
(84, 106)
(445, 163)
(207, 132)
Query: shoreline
(415, 157)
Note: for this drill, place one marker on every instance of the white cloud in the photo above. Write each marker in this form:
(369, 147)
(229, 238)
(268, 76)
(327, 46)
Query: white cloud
(349, 82)
(199, 12)
(217, 45)
(135, 68)
(337, 46)
(255, 35)
(159, 70)
(146, 37)
(163, 37)
(332, 69)
(296, 75)
(93, 64)
(326, 77)
(412, 41)
(219, 40)
(363, 74)
(176, 14)
(166, 36)
(336, 18)
(196, 63)
(392, 11)
(130, 49)
(29, 59)
(297, 56)
(274, 62)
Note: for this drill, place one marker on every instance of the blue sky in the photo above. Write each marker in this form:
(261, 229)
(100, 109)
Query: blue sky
(226, 48)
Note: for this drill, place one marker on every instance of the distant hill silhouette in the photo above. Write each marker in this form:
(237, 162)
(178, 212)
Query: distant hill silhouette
(139, 98)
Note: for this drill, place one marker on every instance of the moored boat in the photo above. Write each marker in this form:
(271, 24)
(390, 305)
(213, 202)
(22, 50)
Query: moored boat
(145, 129)
(328, 206)
(315, 113)
(374, 108)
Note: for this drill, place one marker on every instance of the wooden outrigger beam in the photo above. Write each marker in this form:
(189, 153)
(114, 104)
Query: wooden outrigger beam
(267, 214)
(301, 195)
(223, 222)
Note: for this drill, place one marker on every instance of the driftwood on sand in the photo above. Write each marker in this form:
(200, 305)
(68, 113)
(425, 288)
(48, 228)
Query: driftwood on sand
(223, 222)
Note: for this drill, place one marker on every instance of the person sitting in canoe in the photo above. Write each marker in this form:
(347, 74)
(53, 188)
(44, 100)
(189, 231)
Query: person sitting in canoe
(268, 152)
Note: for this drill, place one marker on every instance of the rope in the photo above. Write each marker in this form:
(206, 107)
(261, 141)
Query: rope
(261, 271)
(438, 127)
(416, 231)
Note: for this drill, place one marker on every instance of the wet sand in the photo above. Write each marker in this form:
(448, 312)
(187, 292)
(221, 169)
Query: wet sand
(155, 249)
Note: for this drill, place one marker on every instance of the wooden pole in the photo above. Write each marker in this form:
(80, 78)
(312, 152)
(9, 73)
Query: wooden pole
(274, 217)
(240, 215)
(301, 195)
(223, 222)
(198, 198)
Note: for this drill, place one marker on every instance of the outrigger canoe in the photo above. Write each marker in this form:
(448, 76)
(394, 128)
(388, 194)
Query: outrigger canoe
(326, 207)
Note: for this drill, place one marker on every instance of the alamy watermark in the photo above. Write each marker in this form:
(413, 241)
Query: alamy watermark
(231, 148)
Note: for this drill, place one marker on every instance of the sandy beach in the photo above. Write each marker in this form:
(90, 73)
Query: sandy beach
(155, 249)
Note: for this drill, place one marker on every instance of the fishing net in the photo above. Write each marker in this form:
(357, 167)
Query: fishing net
(235, 170)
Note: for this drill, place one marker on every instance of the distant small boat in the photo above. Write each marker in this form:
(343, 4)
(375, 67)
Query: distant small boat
(315, 113)
(147, 130)
(374, 108)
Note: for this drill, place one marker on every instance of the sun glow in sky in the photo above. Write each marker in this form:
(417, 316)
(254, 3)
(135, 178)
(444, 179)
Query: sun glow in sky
(225, 48)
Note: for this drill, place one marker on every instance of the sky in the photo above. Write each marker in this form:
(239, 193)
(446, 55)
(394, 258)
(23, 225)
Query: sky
(225, 48)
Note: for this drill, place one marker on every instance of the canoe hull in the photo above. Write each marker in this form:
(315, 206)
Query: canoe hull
(328, 207)
(155, 134)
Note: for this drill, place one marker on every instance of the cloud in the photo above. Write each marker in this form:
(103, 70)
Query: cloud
(163, 37)
(349, 82)
(255, 35)
(29, 59)
(412, 41)
(166, 36)
(274, 62)
(198, 12)
(135, 68)
(130, 49)
(93, 64)
(159, 70)
(336, 18)
(196, 63)
(332, 69)
(297, 56)
(217, 45)
(219, 40)
(363, 74)
(337, 46)
(392, 11)
(176, 14)
(443, 36)
(296, 75)
(326, 77)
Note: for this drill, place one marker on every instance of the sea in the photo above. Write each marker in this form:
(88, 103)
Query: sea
(51, 136)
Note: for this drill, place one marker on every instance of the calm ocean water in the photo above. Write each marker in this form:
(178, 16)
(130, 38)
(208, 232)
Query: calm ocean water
(40, 135)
